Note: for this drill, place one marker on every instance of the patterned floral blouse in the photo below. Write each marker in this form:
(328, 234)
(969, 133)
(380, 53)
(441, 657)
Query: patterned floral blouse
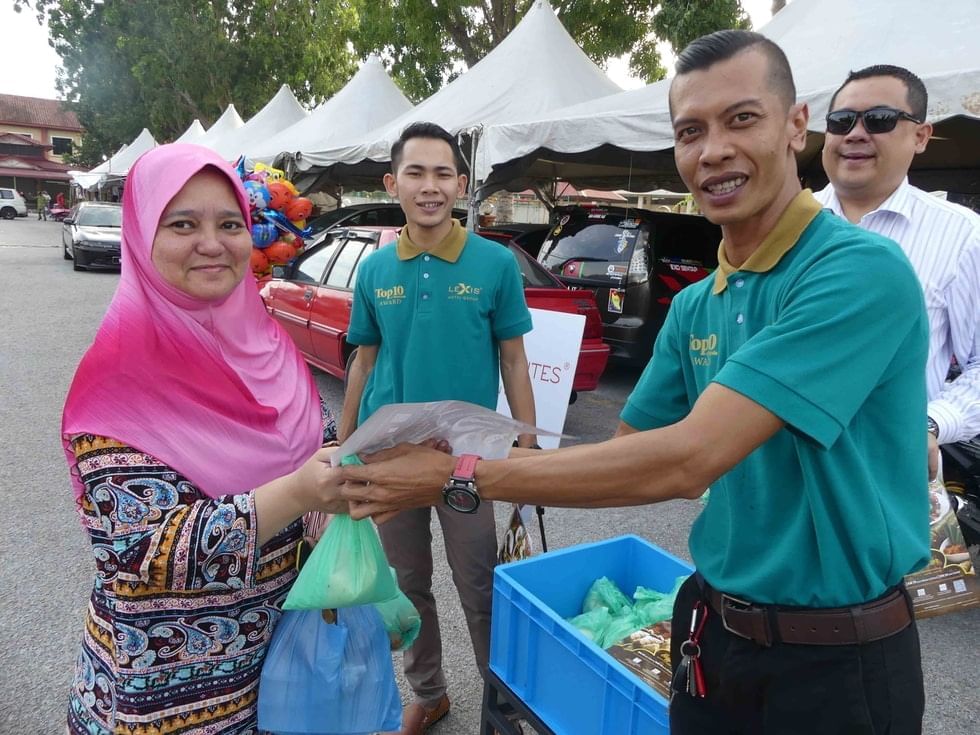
(184, 602)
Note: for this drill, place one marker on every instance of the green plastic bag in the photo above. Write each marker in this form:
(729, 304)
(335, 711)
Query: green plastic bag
(654, 607)
(593, 624)
(620, 627)
(401, 619)
(605, 593)
(346, 568)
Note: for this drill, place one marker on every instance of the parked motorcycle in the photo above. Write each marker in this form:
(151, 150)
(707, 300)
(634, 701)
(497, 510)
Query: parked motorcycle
(57, 213)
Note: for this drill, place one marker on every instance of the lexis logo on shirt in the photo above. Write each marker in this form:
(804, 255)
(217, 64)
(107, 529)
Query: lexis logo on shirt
(703, 349)
(389, 296)
(464, 292)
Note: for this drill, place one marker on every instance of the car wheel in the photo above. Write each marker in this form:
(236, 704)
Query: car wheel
(8, 212)
(64, 251)
(75, 265)
(347, 367)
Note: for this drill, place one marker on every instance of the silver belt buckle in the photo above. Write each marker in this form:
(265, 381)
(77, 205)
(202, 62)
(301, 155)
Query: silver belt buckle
(725, 599)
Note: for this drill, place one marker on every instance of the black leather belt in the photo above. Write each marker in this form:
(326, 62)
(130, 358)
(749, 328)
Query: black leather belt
(838, 626)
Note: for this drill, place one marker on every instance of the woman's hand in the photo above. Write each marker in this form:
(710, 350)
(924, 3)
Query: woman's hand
(321, 483)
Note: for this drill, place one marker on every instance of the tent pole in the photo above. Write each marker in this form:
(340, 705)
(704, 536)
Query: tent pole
(473, 205)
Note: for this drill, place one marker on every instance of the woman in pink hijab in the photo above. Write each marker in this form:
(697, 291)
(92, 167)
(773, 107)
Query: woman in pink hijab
(193, 431)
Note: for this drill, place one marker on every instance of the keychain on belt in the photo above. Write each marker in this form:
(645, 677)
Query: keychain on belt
(689, 676)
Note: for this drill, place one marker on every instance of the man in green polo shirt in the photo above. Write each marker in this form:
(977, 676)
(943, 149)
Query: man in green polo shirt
(439, 316)
(790, 383)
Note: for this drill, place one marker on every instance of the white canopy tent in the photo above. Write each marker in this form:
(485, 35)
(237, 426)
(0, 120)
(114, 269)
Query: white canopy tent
(626, 140)
(279, 113)
(370, 99)
(194, 132)
(120, 163)
(537, 68)
(229, 121)
(90, 179)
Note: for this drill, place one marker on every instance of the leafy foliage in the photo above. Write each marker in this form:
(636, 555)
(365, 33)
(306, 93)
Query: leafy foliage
(427, 42)
(129, 64)
(682, 22)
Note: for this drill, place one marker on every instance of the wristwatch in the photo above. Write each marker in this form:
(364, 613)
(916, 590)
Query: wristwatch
(460, 492)
(932, 427)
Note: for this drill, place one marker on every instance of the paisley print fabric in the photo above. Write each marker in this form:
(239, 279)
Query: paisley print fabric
(183, 604)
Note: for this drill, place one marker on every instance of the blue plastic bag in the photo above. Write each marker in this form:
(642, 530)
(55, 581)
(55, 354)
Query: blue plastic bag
(324, 679)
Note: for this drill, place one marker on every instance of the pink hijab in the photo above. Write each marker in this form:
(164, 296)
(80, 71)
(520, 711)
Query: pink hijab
(215, 389)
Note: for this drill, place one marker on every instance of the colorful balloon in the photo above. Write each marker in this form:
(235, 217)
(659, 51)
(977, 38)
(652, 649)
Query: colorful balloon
(279, 196)
(259, 262)
(264, 234)
(280, 221)
(299, 208)
(258, 195)
(280, 252)
(272, 174)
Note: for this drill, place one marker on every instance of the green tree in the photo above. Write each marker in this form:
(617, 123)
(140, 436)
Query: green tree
(427, 42)
(129, 64)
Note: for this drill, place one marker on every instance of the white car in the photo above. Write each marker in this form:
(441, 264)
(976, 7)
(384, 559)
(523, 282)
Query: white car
(12, 204)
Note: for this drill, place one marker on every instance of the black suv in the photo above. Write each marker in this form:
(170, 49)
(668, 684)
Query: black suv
(634, 261)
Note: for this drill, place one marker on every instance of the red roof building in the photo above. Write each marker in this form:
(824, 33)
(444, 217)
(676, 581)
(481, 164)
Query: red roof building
(24, 166)
(47, 122)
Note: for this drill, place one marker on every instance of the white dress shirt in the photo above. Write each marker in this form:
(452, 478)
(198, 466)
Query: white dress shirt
(942, 240)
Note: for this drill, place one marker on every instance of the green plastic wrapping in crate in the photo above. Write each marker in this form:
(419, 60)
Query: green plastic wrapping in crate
(570, 684)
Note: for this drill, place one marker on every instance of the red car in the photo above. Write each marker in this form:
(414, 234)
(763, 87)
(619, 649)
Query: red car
(312, 299)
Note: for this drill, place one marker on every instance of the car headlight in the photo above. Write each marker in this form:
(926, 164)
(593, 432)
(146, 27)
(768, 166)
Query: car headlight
(96, 244)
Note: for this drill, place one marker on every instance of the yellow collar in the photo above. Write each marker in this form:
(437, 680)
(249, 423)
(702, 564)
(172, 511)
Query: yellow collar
(449, 249)
(780, 240)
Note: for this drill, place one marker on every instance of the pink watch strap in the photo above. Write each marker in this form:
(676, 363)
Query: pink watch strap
(466, 466)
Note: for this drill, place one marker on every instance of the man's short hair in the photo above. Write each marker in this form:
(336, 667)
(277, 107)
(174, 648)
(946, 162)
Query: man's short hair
(713, 48)
(916, 96)
(426, 130)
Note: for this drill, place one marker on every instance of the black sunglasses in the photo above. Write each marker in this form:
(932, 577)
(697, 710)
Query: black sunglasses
(876, 120)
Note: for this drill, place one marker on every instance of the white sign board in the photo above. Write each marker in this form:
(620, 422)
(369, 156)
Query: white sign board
(552, 348)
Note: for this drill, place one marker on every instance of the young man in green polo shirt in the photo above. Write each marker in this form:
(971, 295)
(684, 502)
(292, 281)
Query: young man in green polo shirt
(439, 316)
(791, 383)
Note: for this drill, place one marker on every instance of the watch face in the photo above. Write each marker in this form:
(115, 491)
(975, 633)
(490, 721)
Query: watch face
(461, 500)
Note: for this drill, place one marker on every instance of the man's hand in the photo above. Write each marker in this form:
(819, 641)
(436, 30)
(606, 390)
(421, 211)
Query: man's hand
(933, 456)
(403, 477)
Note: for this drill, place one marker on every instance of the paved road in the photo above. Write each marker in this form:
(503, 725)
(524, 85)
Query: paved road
(45, 563)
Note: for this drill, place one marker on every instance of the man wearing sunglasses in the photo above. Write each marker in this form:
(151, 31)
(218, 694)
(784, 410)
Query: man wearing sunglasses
(875, 127)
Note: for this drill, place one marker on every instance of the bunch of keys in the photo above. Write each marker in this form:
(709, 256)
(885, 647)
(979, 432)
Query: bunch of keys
(689, 676)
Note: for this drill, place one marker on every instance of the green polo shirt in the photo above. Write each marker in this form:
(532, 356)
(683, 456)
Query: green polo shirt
(438, 317)
(824, 326)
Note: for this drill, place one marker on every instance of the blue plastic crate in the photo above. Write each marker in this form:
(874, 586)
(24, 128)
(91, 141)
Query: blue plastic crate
(575, 687)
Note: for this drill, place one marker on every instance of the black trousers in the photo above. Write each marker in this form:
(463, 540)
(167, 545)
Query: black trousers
(869, 689)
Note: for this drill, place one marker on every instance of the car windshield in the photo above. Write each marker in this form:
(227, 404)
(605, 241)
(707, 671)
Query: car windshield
(533, 275)
(594, 245)
(326, 220)
(100, 217)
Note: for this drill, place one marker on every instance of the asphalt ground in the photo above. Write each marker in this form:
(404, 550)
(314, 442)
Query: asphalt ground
(50, 316)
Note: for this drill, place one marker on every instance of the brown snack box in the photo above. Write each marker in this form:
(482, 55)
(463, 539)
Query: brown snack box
(646, 653)
(949, 581)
